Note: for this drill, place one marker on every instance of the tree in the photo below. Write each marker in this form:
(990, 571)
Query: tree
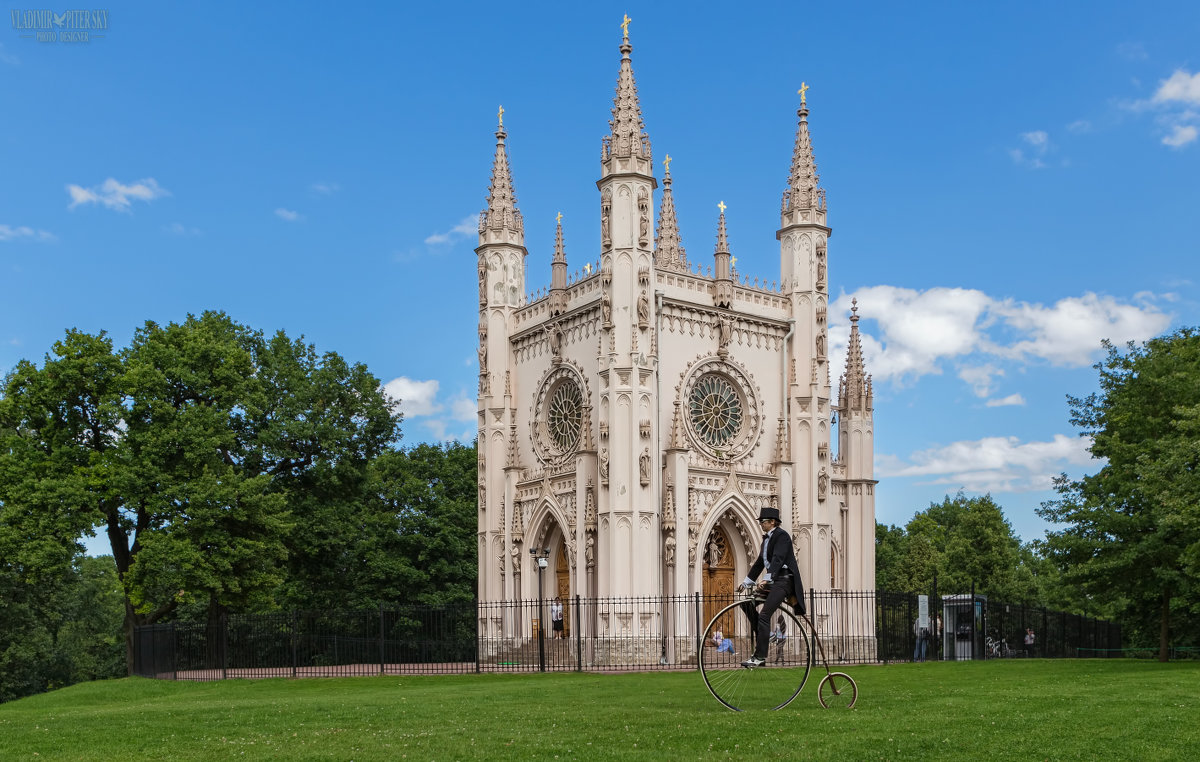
(963, 541)
(194, 449)
(1132, 532)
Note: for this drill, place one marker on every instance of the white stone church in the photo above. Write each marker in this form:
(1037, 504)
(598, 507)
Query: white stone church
(634, 417)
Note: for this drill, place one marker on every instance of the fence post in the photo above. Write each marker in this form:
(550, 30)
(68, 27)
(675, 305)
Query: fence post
(699, 634)
(578, 636)
(381, 658)
(480, 630)
(909, 629)
(295, 656)
(224, 645)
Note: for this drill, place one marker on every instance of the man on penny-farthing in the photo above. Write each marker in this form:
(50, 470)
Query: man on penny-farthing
(781, 580)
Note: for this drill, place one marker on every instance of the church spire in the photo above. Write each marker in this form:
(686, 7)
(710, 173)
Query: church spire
(558, 272)
(803, 200)
(501, 215)
(855, 386)
(669, 253)
(721, 269)
(628, 139)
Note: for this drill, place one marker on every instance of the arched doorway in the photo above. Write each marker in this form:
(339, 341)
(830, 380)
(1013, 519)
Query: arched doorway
(562, 586)
(718, 573)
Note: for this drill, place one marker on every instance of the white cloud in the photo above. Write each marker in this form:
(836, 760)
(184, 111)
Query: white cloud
(468, 226)
(116, 195)
(991, 464)
(1038, 142)
(1181, 135)
(1012, 399)
(919, 328)
(24, 233)
(1132, 51)
(1079, 126)
(325, 189)
(419, 399)
(178, 228)
(288, 214)
(8, 58)
(1068, 333)
(1180, 87)
(915, 333)
(980, 378)
(414, 398)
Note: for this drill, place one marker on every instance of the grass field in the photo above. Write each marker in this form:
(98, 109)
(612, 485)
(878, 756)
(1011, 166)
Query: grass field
(1010, 709)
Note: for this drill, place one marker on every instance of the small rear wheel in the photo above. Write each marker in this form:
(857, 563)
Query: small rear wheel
(837, 690)
(771, 686)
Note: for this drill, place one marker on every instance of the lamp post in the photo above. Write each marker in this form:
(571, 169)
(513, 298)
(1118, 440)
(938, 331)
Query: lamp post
(541, 556)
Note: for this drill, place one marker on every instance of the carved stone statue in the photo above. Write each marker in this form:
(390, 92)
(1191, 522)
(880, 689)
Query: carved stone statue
(606, 306)
(643, 218)
(724, 334)
(822, 484)
(589, 551)
(516, 554)
(605, 211)
(644, 466)
(555, 336)
(643, 308)
(669, 551)
(820, 344)
(604, 467)
(714, 553)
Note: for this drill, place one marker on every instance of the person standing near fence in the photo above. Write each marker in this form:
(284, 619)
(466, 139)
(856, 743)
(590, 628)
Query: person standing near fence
(556, 617)
(921, 631)
(1029, 641)
(782, 579)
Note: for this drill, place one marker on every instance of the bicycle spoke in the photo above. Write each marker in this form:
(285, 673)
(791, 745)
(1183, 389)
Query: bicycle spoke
(771, 686)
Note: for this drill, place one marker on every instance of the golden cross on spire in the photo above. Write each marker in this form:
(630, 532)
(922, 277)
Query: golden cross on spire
(625, 25)
(667, 162)
(500, 116)
(803, 88)
(587, 268)
(723, 207)
(733, 262)
(558, 219)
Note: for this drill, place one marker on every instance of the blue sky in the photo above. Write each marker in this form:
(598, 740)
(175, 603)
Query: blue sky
(1008, 184)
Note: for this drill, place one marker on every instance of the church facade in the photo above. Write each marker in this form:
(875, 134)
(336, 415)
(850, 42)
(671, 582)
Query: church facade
(635, 416)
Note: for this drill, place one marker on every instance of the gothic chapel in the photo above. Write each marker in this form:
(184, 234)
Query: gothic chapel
(635, 417)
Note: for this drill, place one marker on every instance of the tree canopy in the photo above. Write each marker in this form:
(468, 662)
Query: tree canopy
(196, 450)
(964, 541)
(1131, 533)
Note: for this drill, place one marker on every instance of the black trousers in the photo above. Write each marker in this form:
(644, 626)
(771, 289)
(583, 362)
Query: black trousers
(760, 620)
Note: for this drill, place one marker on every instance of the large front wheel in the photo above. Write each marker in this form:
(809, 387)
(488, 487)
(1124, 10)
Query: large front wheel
(771, 686)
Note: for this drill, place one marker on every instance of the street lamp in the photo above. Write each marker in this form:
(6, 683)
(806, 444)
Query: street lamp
(541, 556)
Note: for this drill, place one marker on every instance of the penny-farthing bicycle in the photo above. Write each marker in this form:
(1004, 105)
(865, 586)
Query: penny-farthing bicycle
(789, 660)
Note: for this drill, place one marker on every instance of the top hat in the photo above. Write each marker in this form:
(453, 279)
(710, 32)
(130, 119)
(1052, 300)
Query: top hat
(769, 513)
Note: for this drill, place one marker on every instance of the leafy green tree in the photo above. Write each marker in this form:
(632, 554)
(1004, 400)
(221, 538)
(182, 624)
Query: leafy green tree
(962, 541)
(91, 637)
(194, 450)
(1131, 533)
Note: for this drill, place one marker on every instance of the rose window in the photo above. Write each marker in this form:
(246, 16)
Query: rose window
(715, 408)
(564, 416)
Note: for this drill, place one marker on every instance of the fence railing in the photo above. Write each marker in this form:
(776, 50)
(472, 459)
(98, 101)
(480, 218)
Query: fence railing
(596, 634)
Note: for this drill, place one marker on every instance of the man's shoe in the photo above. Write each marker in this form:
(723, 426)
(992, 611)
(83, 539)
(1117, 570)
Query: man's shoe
(754, 661)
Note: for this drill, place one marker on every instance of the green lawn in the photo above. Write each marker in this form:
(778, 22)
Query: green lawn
(1018, 709)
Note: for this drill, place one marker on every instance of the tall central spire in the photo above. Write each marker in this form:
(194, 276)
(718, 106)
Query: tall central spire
(501, 213)
(628, 137)
(803, 196)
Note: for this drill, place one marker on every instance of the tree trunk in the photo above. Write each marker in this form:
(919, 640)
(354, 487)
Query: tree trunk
(1164, 628)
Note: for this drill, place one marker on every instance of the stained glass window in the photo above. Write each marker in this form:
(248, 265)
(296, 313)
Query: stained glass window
(716, 410)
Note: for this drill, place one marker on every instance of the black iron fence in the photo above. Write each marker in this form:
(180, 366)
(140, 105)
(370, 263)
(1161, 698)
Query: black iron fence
(596, 634)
